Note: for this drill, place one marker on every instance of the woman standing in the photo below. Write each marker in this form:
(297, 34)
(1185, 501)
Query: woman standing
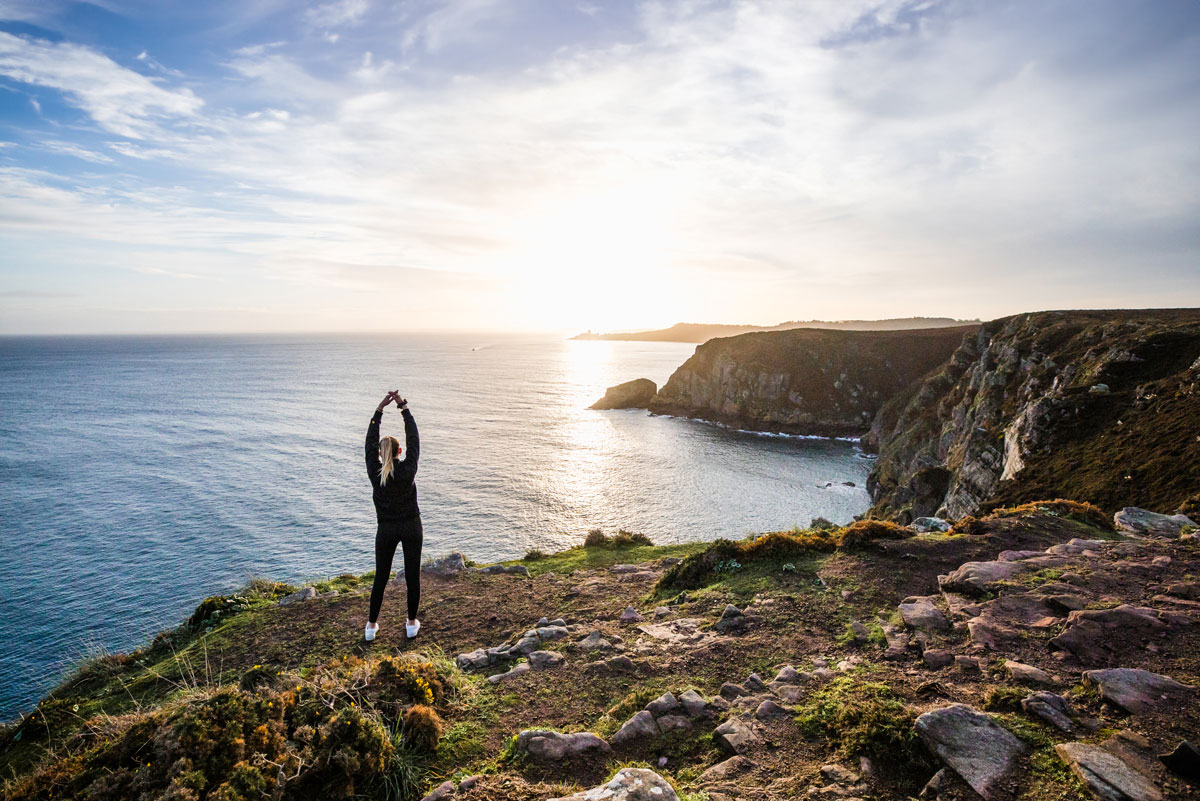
(394, 490)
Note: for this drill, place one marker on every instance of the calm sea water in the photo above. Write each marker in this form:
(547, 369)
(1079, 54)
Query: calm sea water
(140, 474)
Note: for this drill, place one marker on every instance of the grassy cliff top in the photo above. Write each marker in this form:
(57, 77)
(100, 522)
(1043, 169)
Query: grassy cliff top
(253, 699)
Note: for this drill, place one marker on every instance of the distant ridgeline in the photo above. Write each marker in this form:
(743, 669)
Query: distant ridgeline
(1098, 406)
(702, 332)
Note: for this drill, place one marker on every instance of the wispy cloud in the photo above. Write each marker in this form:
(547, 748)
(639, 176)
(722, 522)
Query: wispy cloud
(755, 161)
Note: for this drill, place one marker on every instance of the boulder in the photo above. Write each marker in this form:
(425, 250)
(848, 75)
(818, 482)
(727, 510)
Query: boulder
(669, 723)
(693, 703)
(1108, 776)
(630, 615)
(938, 658)
(736, 737)
(919, 612)
(449, 565)
(769, 709)
(441, 792)
(731, 618)
(630, 784)
(1139, 691)
(518, 670)
(663, 705)
(979, 750)
(976, 578)
(1184, 761)
(1054, 709)
(924, 525)
(1133, 520)
(724, 771)
(617, 665)
(595, 642)
(541, 660)
(473, 660)
(302, 594)
(639, 727)
(635, 394)
(1027, 674)
(542, 745)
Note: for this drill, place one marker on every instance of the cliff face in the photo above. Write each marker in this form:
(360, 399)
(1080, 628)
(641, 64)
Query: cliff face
(803, 381)
(1099, 406)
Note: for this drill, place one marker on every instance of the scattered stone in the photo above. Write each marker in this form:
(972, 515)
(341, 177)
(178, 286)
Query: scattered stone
(788, 675)
(971, 744)
(1151, 524)
(517, 670)
(1108, 776)
(935, 785)
(1098, 389)
(1189, 590)
(299, 595)
(1066, 602)
(736, 737)
(923, 525)
(619, 569)
(639, 727)
(1027, 674)
(542, 660)
(614, 666)
(1138, 691)
(595, 642)
(988, 634)
(729, 691)
(693, 703)
(449, 565)
(550, 746)
(731, 618)
(919, 612)
(755, 684)
(723, 771)
(1184, 761)
(630, 615)
(492, 570)
(1054, 709)
(663, 705)
(769, 709)
(660, 612)
(938, 658)
(1160, 561)
(468, 783)
(441, 792)
(630, 784)
(669, 723)
(968, 664)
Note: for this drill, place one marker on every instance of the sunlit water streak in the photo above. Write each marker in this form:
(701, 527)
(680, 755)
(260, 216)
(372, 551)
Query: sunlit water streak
(142, 474)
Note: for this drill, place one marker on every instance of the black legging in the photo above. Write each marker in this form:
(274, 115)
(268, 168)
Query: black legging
(408, 534)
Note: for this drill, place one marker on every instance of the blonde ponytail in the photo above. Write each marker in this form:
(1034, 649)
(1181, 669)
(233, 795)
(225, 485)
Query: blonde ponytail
(388, 446)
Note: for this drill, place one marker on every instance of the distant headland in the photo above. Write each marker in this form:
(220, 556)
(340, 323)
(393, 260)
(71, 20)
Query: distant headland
(702, 332)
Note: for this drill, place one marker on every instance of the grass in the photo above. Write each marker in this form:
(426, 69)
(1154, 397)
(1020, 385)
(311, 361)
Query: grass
(583, 558)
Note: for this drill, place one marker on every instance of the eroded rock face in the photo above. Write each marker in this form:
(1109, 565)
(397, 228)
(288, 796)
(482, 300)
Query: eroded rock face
(804, 380)
(1139, 691)
(630, 784)
(1093, 634)
(1108, 776)
(1000, 406)
(635, 394)
(971, 744)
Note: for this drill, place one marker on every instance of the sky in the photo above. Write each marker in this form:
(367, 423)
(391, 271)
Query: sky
(560, 165)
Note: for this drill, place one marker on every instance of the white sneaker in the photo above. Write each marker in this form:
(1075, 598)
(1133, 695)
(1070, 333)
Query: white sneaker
(411, 629)
(369, 632)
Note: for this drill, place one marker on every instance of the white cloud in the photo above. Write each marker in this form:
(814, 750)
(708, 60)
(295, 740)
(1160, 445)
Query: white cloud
(337, 13)
(118, 99)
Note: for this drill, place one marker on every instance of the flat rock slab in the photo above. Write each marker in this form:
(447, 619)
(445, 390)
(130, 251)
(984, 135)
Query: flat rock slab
(1108, 776)
(1139, 691)
(1133, 520)
(979, 750)
(630, 784)
(1027, 674)
(976, 578)
(551, 746)
(1092, 635)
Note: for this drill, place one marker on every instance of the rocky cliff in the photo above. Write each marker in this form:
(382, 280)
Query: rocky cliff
(803, 381)
(1102, 406)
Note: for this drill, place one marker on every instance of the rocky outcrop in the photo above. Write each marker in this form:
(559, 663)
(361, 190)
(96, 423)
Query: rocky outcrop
(1012, 416)
(635, 394)
(803, 381)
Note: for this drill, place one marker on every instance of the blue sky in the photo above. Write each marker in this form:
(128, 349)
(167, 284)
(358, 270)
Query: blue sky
(262, 165)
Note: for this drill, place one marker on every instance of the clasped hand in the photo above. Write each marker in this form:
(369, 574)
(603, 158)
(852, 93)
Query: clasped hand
(394, 395)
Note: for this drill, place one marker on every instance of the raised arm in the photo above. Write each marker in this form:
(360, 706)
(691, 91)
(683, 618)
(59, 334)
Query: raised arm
(372, 444)
(412, 440)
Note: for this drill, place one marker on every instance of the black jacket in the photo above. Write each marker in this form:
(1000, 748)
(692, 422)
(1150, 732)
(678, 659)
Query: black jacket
(396, 500)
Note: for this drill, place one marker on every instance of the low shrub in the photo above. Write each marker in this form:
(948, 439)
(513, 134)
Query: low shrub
(969, 525)
(1191, 507)
(625, 539)
(1004, 699)
(534, 555)
(865, 718)
(423, 727)
(862, 532)
(595, 539)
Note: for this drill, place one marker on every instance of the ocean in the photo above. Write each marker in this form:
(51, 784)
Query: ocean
(142, 474)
